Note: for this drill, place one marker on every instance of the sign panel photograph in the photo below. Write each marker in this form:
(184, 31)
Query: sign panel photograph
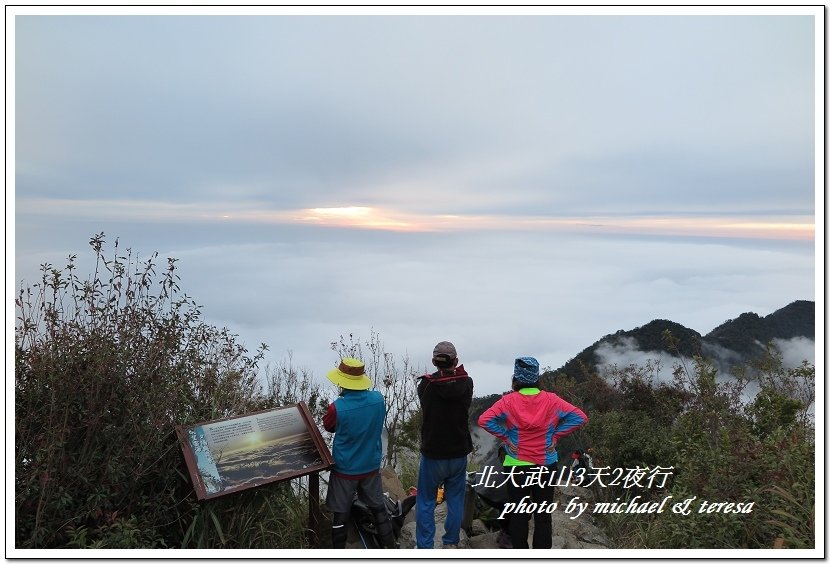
(237, 453)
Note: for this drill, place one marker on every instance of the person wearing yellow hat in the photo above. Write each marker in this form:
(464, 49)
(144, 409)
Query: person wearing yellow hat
(356, 418)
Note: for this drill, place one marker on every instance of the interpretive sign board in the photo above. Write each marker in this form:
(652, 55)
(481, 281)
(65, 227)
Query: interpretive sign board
(233, 454)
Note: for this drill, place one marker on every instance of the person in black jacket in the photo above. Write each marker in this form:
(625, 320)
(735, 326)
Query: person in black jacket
(445, 443)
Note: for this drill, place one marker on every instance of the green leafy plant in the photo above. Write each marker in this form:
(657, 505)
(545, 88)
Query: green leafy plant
(721, 448)
(105, 368)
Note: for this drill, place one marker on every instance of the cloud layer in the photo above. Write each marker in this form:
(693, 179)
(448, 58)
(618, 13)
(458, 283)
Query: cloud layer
(518, 184)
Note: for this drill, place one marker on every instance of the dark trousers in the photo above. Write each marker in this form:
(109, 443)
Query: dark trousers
(520, 521)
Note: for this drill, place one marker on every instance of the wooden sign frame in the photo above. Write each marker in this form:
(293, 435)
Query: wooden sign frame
(229, 455)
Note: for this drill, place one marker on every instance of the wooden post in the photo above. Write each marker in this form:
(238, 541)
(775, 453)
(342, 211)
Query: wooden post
(314, 509)
(469, 509)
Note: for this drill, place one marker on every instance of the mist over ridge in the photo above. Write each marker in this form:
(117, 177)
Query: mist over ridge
(791, 330)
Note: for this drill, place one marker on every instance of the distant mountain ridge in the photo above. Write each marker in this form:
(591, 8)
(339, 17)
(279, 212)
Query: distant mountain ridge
(741, 335)
(740, 339)
(735, 341)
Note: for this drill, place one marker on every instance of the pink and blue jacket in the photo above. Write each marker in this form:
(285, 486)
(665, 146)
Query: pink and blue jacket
(530, 422)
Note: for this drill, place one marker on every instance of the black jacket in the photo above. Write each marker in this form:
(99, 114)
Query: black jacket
(445, 403)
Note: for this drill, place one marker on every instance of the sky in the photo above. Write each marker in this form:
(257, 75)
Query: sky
(520, 183)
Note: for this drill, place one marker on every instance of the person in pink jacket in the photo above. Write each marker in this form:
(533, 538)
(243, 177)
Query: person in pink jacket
(530, 422)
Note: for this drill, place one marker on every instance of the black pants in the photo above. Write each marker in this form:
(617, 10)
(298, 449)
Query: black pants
(520, 520)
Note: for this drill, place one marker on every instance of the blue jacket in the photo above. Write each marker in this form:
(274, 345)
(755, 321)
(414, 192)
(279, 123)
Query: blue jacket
(356, 418)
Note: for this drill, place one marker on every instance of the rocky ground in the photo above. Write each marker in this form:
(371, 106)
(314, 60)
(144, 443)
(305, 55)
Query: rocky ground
(579, 533)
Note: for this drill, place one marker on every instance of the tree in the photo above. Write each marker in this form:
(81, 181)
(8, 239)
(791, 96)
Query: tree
(797, 385)
(287, 384)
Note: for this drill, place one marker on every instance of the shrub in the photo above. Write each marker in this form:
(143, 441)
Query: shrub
(105, 368)
(722, 450)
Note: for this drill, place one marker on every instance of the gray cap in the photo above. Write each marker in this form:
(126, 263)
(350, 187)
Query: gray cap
(444, 352)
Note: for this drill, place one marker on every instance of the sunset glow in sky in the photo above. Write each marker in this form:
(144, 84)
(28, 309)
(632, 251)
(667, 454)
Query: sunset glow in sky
(800, 228)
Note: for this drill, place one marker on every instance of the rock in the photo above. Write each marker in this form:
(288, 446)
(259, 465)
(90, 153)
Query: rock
(567, 493)
(591, 537)
(581, 532)
(392, 484)
(486, 540)
(478, 528)
(407, 538)
(559, 541)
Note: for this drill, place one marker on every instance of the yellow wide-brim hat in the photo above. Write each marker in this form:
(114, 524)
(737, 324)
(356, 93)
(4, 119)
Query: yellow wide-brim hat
(351, 375)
